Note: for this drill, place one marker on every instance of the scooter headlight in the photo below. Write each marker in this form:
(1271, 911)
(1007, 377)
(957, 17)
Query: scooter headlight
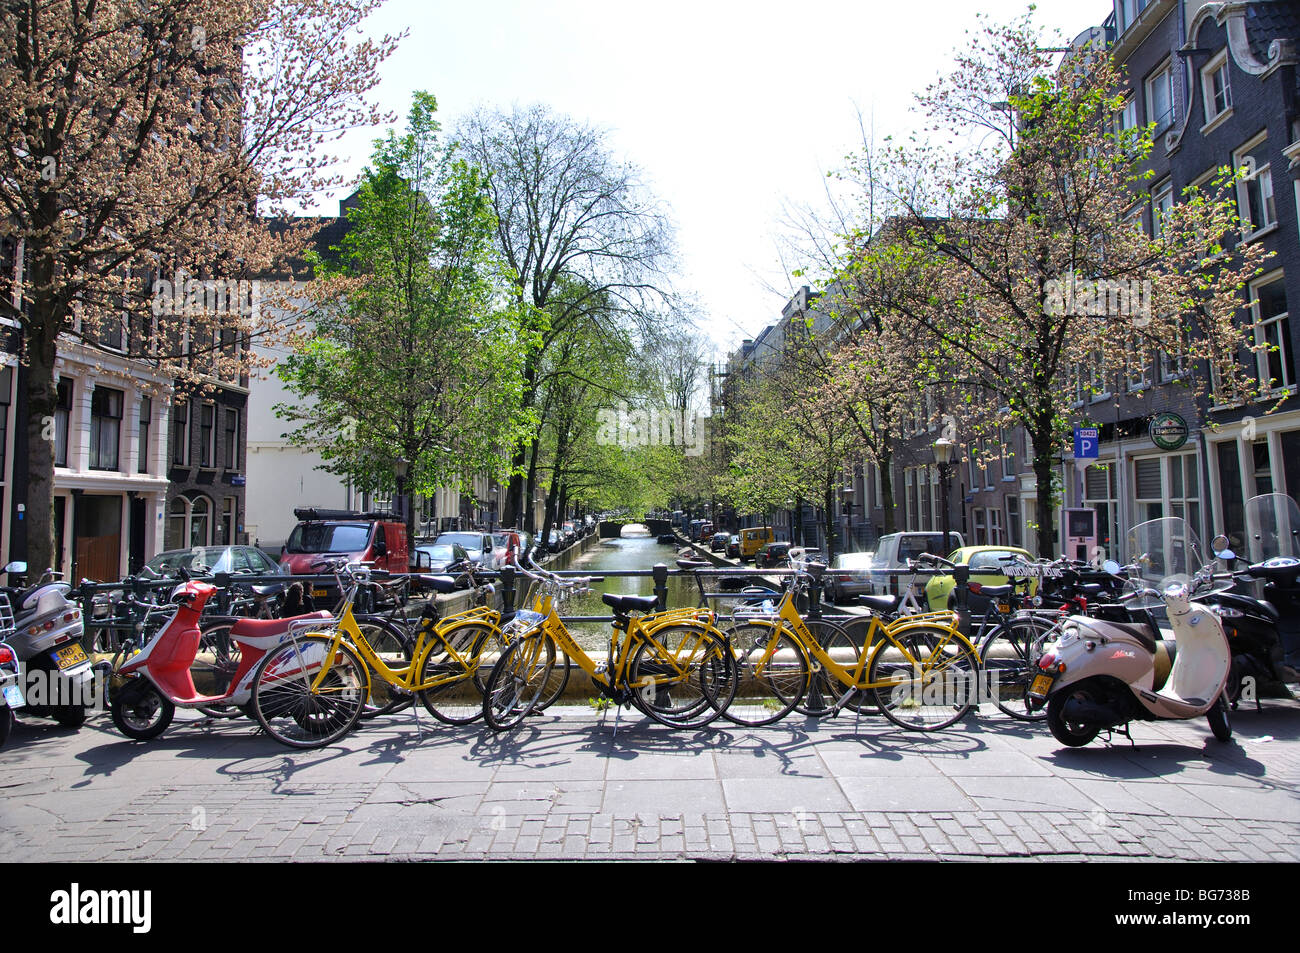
(1227, 612)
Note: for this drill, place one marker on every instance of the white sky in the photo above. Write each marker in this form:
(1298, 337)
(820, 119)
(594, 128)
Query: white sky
(730, 109)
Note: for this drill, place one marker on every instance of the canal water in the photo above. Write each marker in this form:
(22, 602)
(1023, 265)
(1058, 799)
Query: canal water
(639, 551)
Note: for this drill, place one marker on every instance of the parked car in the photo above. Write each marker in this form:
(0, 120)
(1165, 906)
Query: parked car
(733, 547)
(986, 564)
(849, 576)
(375, 538)
(204, 560)
(439, 557)
(754, 538)
(706, 530)
(506, 546)
(772, 555)
(718, 542)
(893, 552)
(478, 545)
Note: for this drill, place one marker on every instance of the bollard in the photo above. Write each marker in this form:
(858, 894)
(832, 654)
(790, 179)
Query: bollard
(961, 589)
(660, 571)
(224, 596)
(507, 588)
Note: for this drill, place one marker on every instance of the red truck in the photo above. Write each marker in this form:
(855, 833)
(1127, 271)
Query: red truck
(376, 538)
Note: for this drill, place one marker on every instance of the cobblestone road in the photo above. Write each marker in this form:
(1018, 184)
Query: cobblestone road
(566, 787)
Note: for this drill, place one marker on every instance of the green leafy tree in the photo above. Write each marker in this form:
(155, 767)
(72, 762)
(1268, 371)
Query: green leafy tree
(414, 355)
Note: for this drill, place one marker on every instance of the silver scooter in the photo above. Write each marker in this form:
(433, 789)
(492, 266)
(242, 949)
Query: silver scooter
(1102, 675)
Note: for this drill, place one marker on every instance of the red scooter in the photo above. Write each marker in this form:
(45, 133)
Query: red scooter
(152, 683)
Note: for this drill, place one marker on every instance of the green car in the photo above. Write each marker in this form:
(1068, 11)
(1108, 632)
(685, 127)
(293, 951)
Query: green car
(985, 563)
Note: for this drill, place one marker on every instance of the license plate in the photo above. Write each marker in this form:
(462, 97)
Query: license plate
(1004, 607)
(14, 696)
(318, 593)
(1040, 685)
(69, 656)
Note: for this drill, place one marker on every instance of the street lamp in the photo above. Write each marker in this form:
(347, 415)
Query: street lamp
(847, 502)
(944, 450)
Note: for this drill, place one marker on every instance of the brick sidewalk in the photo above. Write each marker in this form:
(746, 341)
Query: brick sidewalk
(565, 787)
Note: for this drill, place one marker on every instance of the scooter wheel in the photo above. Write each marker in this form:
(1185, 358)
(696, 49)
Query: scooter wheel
(1220, 721)
(1071, 735)
(70, 716)
(140, 712)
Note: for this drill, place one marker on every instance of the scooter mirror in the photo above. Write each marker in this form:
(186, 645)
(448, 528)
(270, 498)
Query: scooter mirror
(1111, 567)
(16, 567)
(1227, 555)
(1220, 546)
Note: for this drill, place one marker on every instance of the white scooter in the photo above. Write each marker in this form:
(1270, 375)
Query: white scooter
(1101, 675)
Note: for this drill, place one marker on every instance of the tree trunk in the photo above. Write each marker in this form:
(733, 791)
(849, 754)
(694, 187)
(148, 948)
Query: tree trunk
(829, 522)
(884, 466)
(42, 396)
(1043, 465)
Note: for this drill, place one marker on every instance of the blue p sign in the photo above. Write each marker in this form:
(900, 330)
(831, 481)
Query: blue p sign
(1087, 443)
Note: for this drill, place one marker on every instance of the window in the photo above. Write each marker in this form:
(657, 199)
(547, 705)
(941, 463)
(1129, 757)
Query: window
(1149, 492)
(1137, 361)
(146, 419)
(1215, 88)
(62, 412)
(1013, 521)
(228, 522)
(105, 428)
(1100, 493)
(995, 527)
(208, 435)
(230, 441)
(1126, 12)
(1160, 98)
(1272, 332)
(181, 434)
(189, 522)
(980, 538)
(1008, 456)
(1173, 364)
(1162, 201)
(1184, 489)
(1255, 192)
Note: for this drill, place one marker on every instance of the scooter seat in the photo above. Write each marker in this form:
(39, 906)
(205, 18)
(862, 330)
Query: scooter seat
(1139, 631)
(261, 628)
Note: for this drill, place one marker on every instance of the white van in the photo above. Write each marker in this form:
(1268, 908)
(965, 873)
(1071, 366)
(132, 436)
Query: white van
(893, 552)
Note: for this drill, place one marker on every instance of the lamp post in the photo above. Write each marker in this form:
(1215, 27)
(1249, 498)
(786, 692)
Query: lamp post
(943, 454)
(847, 502)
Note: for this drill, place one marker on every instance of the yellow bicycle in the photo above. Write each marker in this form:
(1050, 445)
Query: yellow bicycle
(920, 671)
(674, 666)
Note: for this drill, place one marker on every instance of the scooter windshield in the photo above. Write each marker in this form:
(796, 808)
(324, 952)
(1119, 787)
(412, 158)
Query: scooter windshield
(1272, 527)
(1164, 552)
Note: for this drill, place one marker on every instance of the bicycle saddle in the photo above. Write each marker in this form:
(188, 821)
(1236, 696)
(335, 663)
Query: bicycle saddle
(625, 604)
(992, 592)
(437, 583)
(881, 603)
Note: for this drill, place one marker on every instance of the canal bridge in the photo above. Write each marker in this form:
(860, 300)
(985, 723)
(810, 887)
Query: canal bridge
(612, 529)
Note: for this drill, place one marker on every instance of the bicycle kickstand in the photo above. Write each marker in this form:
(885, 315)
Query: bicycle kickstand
(419, 726)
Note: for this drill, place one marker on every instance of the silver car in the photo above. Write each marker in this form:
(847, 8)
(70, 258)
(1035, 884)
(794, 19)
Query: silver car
(848, 576)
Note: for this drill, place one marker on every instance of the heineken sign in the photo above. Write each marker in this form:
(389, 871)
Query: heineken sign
(1168, 431)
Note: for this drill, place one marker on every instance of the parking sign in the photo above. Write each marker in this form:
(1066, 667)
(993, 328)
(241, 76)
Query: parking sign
(1087, 443)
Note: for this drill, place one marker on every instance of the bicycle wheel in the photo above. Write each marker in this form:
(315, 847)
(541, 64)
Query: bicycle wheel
(925, 679)
(290, 711)
(686, 679)
(215, 664)
(1009, 656)
(826, 694)
(772, 673)
(394, 646)
(557, 682)
(457, 699)
(517, 681)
